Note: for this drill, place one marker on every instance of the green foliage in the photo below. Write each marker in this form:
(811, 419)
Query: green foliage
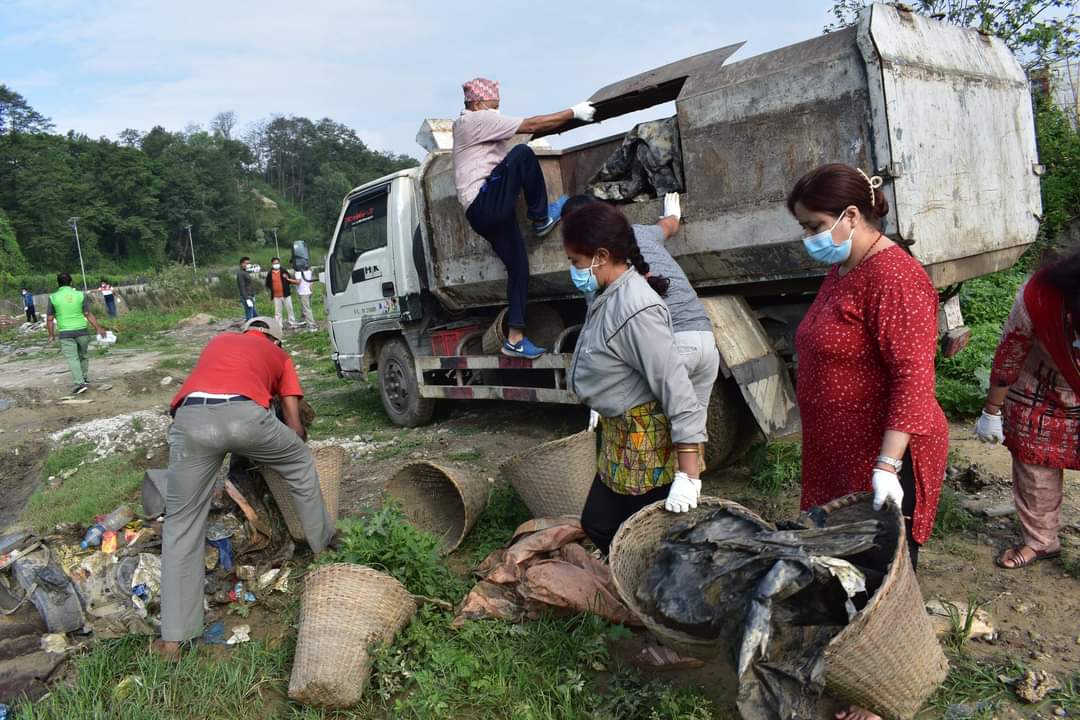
(775, 467)
(541, 670)
(385, 541)
(95, 487)
(11, 257)
(1059, 151)
(951, 517)
(135, 197)
(1038, 31)
(122, 673)
(502, 515)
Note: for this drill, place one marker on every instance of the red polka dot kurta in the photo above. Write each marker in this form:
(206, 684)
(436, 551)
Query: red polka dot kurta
(866, 365)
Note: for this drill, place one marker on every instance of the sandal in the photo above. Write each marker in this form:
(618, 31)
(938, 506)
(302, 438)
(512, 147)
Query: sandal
(1020, 560)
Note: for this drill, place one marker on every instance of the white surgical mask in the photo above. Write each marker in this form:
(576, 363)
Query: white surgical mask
(276, 266)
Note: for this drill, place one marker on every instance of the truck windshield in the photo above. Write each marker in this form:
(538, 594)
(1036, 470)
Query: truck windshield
(363, 228)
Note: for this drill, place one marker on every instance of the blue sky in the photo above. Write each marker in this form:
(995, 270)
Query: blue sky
(379, 67)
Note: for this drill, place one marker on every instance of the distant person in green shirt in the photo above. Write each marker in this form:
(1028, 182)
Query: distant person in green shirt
(68, 314)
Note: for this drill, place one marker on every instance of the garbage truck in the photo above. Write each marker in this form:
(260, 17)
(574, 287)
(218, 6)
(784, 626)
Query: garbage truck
(942, 113)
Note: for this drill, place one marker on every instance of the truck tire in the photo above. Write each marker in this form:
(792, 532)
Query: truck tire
(398, 388)
(726, 413)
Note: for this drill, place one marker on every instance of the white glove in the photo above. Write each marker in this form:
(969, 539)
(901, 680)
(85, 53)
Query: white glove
(250, 302)
(672, 206)
(988, 428)
(886, 487)
(583, 111)
(594, 420)
(683, 494)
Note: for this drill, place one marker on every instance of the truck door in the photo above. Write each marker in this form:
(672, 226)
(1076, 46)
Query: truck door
(361, 283)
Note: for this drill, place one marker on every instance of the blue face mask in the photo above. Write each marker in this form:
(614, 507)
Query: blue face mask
(822, 248)
(584, 279)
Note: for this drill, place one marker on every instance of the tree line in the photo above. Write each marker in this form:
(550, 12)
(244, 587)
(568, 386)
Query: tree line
(134, 196)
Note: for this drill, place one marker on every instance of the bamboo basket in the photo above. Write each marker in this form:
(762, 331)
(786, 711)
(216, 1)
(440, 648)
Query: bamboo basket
(439, 500)
(330, 466)
(888, 658)
(345, 612)
(554, 478)
(632, 551)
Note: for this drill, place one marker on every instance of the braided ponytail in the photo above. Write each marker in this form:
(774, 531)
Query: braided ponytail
(658, 283)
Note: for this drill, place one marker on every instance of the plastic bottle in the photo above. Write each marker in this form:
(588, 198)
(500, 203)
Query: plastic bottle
(115, 520)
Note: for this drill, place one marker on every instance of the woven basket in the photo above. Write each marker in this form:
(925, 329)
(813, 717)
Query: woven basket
(631, 556)
(438, 500)
(345, 610)
(554, 478)
(543, 325)
(330, 465)
(888, 658)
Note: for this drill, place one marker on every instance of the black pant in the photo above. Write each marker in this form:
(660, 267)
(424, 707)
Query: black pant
(605, 510)
(492, 215)
(31, 314)
(907, 484)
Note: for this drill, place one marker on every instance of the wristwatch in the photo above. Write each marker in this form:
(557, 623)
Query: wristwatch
(891, 462)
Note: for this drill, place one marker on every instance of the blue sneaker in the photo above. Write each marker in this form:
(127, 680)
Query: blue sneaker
(523, 349)
(554, 215)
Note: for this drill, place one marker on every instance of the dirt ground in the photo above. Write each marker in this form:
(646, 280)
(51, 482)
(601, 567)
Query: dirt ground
(1034, 611)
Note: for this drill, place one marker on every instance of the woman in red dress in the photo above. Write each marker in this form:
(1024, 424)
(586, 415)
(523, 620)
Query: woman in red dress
(866, 350)
(1036, 378)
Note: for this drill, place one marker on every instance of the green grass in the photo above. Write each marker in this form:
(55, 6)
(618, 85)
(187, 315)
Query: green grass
(503, 514)
(466, 455)
(951, 517)
(775, 467)
(547, 669)
(96, 488)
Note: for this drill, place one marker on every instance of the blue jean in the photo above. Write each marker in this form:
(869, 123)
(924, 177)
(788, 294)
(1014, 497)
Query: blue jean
(492, 215)
(110, 305)
(249, 310)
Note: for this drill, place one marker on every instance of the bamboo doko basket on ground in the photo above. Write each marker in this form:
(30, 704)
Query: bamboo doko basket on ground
(330, 465)
(554, 478)
(887, 659)
(442, 501)
(345, 611)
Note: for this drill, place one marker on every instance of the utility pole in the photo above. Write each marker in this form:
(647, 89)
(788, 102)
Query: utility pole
(74, 223)
(276, 250)
(194, 269)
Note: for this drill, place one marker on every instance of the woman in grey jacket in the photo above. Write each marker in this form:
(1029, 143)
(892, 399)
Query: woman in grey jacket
(627, 368)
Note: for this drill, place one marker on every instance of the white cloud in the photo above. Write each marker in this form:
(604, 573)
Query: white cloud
(379, 67)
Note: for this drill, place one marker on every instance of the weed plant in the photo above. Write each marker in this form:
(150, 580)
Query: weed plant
(775, 467)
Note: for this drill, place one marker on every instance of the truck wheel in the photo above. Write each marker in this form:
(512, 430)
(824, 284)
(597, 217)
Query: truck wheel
(398, 387)
(726, 413)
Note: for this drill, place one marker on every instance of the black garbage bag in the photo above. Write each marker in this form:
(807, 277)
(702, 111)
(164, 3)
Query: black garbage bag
(784, 593)
(649, 162)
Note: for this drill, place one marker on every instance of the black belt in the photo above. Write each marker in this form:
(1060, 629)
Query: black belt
(212, 401)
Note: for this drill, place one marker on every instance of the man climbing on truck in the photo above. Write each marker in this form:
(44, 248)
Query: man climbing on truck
(488, 181)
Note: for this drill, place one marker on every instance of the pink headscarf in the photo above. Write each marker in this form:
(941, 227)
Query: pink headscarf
(480, 89)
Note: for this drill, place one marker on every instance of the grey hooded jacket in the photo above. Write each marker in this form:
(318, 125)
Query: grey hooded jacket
(626, 356)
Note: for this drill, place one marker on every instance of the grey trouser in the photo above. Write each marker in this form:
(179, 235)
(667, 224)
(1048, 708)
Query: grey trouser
(305, 309)
(697, 350)
(285, 302)
(199, 438)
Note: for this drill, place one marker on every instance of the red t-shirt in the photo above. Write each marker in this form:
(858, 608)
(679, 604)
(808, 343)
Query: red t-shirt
(277, 283)
(248, 364)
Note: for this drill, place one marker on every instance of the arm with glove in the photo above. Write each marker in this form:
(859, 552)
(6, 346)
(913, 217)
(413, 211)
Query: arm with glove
(1017, 340)
(583, 111)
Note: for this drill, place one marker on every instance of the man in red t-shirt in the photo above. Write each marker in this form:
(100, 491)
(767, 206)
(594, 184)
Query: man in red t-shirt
(279, 282)
(223, 407)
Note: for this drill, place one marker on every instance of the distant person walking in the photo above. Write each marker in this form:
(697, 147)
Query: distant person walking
(107, 295)
(303, 289)
(246, 285)
(68, 314)
(278, 281)
(28, 303)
